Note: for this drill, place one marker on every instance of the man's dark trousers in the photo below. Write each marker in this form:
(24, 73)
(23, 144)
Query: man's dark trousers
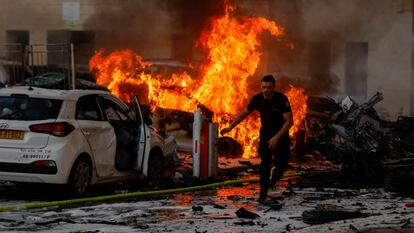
(280, 161)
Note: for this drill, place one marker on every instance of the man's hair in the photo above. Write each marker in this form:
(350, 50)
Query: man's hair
(269, 78)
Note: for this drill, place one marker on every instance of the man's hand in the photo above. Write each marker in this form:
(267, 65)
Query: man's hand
(273, 142)
(225, 130)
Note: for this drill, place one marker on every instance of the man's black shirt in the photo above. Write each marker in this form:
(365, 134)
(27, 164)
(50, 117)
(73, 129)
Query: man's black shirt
(271, 113)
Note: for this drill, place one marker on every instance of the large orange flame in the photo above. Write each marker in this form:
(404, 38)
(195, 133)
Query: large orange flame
(232, 58)
(298, 103)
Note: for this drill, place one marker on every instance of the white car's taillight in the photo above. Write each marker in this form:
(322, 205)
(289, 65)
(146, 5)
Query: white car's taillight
(59, 129)
(44, 163)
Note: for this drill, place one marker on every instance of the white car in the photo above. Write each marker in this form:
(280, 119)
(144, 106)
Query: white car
(76, 137)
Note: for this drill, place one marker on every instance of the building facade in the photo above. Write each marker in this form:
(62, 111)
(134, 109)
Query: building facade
(354, 47)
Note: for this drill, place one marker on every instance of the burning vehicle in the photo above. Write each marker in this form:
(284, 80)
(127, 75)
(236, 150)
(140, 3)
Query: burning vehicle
(352, 137)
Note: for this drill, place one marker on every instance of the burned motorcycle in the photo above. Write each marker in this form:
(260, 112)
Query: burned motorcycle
(353, 138)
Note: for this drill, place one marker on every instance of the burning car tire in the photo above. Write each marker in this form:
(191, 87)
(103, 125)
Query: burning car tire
(230, 147)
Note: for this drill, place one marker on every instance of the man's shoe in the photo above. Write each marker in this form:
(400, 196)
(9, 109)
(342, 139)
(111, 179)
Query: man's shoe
(273, 179)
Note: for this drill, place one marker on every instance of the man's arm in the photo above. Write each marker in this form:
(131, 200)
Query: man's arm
(283, 131)
(236, 121)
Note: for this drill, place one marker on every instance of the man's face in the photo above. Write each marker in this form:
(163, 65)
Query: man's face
(267, 89)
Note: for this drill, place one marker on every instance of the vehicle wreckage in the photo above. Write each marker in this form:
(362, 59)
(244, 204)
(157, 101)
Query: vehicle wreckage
(366, 146)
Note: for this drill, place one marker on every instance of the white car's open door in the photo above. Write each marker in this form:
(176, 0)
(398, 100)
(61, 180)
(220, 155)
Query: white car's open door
(144, 137)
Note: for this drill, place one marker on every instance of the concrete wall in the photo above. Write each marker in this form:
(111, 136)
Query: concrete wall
(147, 27)
(387, 28)
(138, 24)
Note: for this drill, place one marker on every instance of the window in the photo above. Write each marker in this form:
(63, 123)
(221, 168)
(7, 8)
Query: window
(356, 64)
(21, 107)
(16, 41)
(319, 66)
(87, 109)
(114, 112)
(124, 126)
(17, 37)
(84, 44)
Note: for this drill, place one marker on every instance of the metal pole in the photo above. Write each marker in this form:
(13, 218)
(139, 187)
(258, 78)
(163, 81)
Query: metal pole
(412, 63)
(196, 142)
(72, 64)
(212, 150)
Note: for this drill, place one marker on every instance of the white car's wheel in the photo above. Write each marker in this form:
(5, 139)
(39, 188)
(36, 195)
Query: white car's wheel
(156, 170)
(80, 176)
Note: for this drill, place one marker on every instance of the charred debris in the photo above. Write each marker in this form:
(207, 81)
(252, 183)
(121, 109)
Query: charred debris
(366, 146)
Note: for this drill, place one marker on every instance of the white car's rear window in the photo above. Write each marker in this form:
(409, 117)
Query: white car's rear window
(22, 107)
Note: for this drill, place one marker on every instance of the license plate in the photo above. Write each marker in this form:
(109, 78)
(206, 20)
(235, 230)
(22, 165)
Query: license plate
(11, 134)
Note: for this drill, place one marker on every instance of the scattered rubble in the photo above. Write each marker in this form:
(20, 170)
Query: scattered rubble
(328, 213)
(243, 213)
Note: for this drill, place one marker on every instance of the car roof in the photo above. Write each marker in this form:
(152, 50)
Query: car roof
(49, 93)
(167, 63)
